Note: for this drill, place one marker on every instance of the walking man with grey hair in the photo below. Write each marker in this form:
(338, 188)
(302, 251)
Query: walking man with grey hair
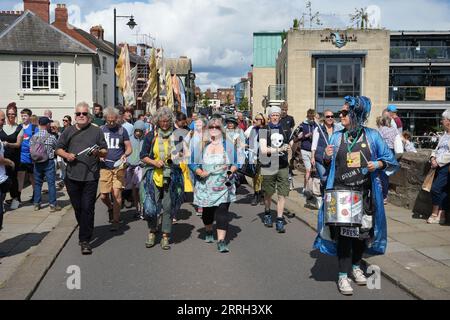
(82, 145)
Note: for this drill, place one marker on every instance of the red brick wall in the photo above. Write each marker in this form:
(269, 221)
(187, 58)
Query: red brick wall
(40, 7)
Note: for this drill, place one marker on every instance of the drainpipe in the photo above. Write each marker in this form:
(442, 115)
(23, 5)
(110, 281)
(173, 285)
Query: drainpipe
(75, 73)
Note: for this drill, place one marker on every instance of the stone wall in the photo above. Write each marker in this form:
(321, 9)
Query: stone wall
(406, 185)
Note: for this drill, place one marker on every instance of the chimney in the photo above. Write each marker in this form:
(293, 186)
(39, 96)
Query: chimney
(61, 16)
(132, 49)
(40, 7)
(98, 32)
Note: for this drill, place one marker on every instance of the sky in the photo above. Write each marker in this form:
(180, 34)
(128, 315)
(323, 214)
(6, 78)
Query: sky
(217, 34)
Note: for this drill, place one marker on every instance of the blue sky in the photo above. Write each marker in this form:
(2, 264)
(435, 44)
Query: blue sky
(217, 34)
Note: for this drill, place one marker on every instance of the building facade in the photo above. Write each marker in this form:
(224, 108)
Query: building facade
(318, 68)
(266, 46)
(419, 78)
(226, 96)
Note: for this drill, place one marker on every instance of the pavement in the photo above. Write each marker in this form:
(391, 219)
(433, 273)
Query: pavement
(261, 265)
(29, 243)
(418, 254)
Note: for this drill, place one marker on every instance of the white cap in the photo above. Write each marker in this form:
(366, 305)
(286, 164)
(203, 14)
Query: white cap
(274, 109)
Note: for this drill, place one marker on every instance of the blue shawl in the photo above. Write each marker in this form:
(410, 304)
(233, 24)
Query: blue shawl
(379, 151)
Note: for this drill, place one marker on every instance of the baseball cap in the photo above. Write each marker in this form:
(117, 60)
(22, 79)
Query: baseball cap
(392, 108)
(43, 121)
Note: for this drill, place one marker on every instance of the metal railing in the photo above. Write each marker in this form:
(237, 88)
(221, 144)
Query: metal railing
(426, 142)
(423, 53)
(277, 92)
(412, 93)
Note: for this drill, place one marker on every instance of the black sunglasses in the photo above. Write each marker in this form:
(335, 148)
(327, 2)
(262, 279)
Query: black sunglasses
(343, 113)
(81, 113)
(214, 127)
(329, 117)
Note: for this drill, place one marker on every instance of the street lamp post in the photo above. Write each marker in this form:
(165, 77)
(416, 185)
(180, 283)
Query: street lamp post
(130, 24)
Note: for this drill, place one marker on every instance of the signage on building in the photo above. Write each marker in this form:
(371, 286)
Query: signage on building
(339, 39)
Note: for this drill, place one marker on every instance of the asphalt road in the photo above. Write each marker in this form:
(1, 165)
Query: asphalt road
(261, 264)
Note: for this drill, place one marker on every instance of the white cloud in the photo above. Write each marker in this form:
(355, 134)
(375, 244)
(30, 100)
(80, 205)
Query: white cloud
(217, 34)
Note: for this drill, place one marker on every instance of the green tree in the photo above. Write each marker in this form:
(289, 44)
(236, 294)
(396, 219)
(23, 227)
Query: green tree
(296, 23)
(205, 101)
(243, 106)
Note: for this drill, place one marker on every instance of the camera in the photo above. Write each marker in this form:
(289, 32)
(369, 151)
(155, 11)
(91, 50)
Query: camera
(231, 179)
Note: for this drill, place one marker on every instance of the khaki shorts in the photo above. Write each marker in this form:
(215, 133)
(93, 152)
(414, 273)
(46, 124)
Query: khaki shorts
(111, 179)
(278, 182)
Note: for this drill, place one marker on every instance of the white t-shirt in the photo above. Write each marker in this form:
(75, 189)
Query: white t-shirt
(3, 176)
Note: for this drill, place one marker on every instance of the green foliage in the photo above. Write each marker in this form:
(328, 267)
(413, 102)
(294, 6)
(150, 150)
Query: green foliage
(243, 106)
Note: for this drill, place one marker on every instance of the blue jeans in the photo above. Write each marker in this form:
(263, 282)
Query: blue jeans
(45, 169)
(439, 188)
(322, 172)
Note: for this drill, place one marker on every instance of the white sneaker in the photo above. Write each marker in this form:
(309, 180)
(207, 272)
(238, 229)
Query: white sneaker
(14, 204)
(359, 277)
(344, 286)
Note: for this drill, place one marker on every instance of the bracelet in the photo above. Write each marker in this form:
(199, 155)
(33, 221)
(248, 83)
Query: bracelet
(376, 164)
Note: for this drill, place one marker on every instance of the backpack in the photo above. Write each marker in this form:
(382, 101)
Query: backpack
(38, 150)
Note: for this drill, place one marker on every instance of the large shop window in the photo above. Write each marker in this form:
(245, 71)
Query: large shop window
(40, 75)
(338, 78)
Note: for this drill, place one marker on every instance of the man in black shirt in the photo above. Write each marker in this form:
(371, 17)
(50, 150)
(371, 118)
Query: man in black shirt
(83, 169)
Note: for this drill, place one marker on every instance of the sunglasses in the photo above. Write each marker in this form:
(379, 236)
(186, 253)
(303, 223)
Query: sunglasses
(329, 117)
(215, 127)
(343, 113)
(81, 113)
(65, 120)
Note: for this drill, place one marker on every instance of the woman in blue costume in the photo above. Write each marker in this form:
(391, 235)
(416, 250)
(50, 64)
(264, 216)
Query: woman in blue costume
(353, 159)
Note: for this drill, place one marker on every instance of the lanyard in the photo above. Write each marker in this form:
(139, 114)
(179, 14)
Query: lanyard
(352, 144)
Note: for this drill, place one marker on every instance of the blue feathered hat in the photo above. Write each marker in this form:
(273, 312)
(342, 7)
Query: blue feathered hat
(359, 109)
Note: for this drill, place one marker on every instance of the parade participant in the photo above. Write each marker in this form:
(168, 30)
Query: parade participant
(11, 134)
(241, 121)
(197, 139)
(44, 168)
(162, 183)
(98, 115)
(5, 182)
(83, 170)
(253, 147)
(127, 120)
(112, 173)
(353, 158)
(26, 164)
(274, 167)
(306, 134)
(215, 188)
(321, 137)
(134, 171)
(287, 122)
(67, 122)
(194, 118)
(440, 160)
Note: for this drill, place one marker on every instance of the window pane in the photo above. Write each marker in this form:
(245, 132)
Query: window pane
(331, 74)
(346, 74)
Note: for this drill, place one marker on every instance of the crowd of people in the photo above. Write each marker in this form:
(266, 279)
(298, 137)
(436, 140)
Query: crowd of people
(156, 163)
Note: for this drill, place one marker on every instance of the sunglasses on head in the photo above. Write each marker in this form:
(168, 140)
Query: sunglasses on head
(343, 113)
(81, 113)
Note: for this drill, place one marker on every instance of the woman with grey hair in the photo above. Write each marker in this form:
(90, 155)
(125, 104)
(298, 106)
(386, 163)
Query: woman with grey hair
(440, 160)
(389, 134)
(215, 188)
(162, 183)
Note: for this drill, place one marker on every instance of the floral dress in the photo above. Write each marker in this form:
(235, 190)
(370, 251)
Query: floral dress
(212, 191)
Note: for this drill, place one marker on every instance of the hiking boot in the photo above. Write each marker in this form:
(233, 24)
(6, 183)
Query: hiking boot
(359, 277)
(150, 240)
(85, 248)
(55, 208)
(280, 226)
(165, 243)
(255, 199)
(222, 247)
(209, 238)
(268, 219)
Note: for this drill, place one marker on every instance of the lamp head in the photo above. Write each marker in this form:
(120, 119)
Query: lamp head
(131, 23)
